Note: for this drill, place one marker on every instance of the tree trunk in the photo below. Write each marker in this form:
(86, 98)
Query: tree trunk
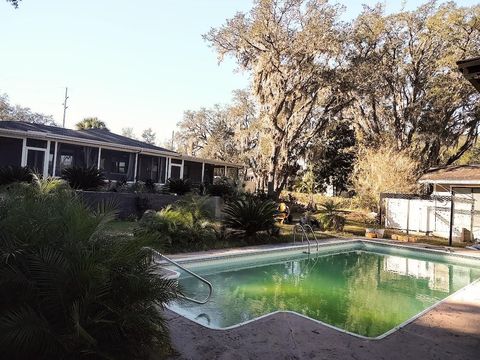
(272, 170)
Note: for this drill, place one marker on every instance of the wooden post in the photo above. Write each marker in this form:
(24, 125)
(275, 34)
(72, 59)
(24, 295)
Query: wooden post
(135, 169)
(54, 169)
(408, 216)
(99, 157)
(452, 209)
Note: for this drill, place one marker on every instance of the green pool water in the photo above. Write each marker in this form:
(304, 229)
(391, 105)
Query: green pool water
(363, 292)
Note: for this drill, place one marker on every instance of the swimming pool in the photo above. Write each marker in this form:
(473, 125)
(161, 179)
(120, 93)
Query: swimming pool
(363, 288)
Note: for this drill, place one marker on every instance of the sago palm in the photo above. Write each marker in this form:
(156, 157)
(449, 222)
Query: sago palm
(331, 216)
(250, 215)
(67, 290)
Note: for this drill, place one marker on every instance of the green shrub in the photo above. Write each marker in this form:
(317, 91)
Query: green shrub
(83, 178)
(179, 186)
(331, 216)
(142, 204)
(12, 174)
(222, 187)
(150, 186)
(69, 292)
(185, 226)
(250, 215)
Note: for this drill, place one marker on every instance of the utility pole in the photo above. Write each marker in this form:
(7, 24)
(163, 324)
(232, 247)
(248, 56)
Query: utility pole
(173, 134)
(65, 105)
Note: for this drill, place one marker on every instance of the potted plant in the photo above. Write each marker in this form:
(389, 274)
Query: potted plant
(373, 228)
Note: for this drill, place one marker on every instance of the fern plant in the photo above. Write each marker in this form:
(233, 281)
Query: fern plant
(185, 226)
(83, 178)
(68, 291)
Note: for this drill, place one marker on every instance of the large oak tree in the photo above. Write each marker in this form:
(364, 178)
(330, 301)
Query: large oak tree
(293, 50)
(408, 89)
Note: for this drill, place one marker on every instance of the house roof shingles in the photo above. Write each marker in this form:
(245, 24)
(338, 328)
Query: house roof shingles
(102, 135)
(452, 174)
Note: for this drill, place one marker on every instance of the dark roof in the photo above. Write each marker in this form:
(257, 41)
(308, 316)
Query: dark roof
(453, 173)
(102, 135)
(470, 69)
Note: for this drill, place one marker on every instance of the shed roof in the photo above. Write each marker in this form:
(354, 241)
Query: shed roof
(458, 174)
(102, 135)
(470, 69)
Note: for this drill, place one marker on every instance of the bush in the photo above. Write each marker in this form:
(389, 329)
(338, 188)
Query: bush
(222, 187)
(179, 186)
(383, 169)
(250, 215)
(12, 174)
(185, 226)
(150, 186)
(301, 202)
(82, 178)
(68, 291)
(331, 216)
(142, 204)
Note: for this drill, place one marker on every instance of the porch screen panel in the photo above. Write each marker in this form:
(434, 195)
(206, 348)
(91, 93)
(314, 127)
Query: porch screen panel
(148, 168)
(162, 163)
(117, 165)
(219, 171)
(192, 170)
(175, 172)
(208, 174)
(69, 155)
(232, 173)
(10, 151)
(51, 157)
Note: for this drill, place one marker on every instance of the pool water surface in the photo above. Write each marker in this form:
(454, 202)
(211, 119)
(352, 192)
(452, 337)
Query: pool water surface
(364, 292)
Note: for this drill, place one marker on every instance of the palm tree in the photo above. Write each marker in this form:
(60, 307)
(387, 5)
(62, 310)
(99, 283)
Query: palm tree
(90, 123)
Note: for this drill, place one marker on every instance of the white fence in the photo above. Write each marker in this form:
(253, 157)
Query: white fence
(432, 214)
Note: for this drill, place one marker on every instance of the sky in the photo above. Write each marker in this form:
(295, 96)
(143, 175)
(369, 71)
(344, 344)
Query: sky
(136, 64)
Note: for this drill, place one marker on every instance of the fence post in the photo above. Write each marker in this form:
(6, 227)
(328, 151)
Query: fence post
(452, 208)
(380, 213)
(408, 216)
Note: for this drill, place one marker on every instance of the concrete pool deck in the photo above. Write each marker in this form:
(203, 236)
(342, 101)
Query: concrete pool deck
(449, 331)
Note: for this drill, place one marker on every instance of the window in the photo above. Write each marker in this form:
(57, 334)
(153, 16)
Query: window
(219, 171)
(119, 167)
(66, 161)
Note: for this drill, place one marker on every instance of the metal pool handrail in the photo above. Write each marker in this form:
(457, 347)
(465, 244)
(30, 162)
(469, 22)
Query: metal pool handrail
(205, 281)
(308, 227)
(304, 234)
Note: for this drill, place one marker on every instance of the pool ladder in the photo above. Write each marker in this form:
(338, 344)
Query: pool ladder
(157, 254)
(303, 229)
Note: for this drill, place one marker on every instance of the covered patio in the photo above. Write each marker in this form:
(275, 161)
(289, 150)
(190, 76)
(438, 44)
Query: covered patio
(48, 150)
